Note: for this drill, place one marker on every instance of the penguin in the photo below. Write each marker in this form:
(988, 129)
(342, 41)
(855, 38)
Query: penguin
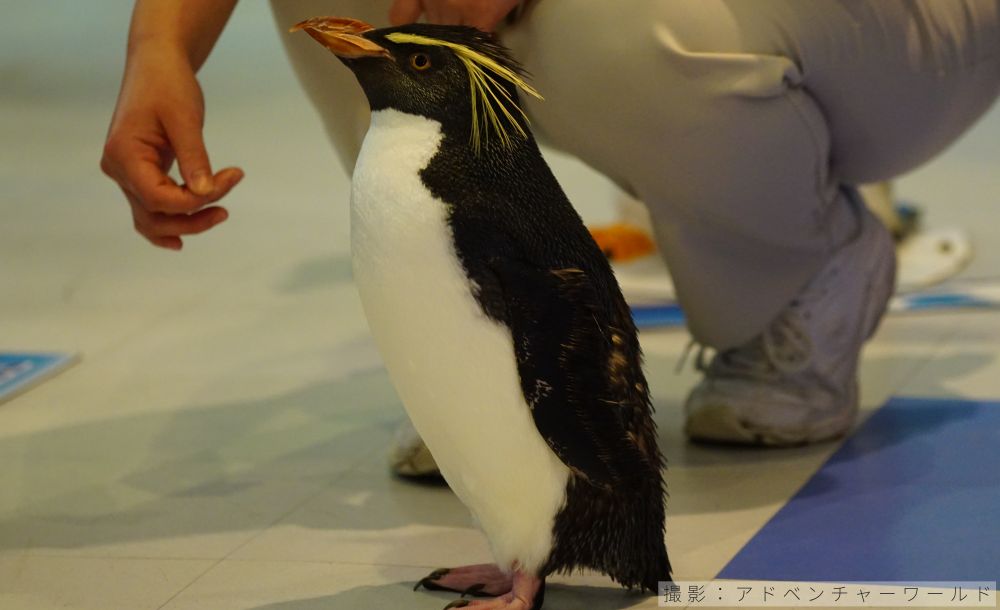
(498, 318)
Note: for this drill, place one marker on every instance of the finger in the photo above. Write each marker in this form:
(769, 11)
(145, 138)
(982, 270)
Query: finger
(139, 170)
(157, 227)
(175, 225)
(157, 191)
(404, 11)
(170, 243)
(444, 12)
(485, 21)
(139, 220)
(489, 15)
(184, 132)
(224, 182)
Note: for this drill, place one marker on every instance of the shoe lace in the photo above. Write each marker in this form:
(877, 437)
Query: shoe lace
(783, 348)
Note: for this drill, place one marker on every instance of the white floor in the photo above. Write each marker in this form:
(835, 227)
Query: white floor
(222, 442)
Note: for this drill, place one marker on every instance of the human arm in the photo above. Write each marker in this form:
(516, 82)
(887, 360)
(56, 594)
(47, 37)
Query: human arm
(158, 118)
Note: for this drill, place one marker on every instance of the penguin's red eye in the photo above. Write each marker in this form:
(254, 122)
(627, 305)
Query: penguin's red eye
(420, 61)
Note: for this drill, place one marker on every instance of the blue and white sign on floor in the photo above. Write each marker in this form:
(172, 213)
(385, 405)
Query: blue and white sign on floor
(961, 296)
(19, 371)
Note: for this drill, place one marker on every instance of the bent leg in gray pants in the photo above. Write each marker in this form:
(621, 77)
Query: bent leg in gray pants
(743, 126)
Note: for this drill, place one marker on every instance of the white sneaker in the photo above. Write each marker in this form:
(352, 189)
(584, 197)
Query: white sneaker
(409, 456)
(796, 382)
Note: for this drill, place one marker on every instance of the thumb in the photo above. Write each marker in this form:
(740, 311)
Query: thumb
(189, 147)
(405, 11)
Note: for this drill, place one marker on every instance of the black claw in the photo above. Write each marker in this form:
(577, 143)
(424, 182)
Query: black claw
(458, 603)
(427, 581)
(476, 589)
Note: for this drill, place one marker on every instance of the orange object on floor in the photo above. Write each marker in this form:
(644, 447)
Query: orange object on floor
(622, 242)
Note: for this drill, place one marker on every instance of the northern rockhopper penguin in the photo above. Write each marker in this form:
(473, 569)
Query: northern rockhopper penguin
(498, 317)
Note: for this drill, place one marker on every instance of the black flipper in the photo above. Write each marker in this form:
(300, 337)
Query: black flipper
(579, 366)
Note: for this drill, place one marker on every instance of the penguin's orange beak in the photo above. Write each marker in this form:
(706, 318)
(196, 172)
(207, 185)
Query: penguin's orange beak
(342, 36)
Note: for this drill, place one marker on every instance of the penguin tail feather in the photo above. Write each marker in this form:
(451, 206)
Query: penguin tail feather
(659, 571)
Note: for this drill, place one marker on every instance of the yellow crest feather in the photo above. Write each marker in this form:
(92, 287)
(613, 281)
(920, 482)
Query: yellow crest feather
(483, 73)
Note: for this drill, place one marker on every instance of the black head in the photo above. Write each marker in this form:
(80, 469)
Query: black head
(459, 76)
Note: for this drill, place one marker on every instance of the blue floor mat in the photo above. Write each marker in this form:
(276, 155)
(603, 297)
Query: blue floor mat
(914, 495)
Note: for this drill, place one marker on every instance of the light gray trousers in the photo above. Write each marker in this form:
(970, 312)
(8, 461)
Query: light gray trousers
(740, 123)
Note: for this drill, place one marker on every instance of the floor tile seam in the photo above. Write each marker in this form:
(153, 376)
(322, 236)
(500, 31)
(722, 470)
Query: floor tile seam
(35, 554)
(214, 560)
(180, 307)
(330, 562)
(251, 538)
(295, 507)
(190, 584)
(936, 348)
(229, 555)
(186, 305)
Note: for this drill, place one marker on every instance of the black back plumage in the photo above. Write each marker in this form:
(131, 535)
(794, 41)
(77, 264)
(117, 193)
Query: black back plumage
(536, 270)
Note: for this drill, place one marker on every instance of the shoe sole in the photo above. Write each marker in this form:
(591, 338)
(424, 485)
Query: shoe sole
(718, 424)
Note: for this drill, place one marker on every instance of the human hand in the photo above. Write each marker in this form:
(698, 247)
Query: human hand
(483, 14)
(158, 118)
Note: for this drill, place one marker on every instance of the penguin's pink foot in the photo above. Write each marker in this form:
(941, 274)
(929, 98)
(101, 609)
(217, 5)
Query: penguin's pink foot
(485, 579)
(528, 593)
